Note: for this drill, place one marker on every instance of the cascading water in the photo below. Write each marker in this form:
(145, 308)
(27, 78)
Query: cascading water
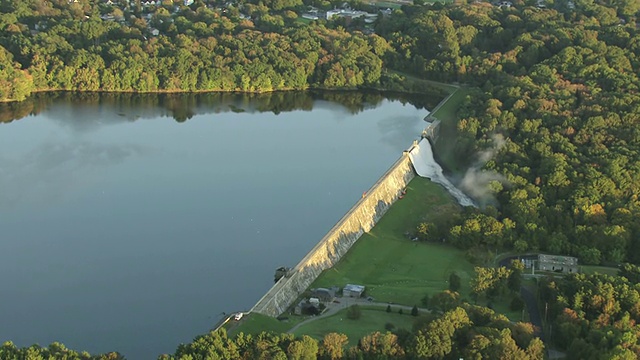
(426, 166)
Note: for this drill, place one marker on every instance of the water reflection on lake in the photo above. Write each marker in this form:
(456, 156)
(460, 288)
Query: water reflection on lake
(131, 222)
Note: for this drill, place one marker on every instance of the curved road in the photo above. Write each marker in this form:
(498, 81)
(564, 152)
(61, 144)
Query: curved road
(333, 308)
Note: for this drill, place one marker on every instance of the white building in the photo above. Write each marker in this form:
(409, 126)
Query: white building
(345, 13)
(351, 290)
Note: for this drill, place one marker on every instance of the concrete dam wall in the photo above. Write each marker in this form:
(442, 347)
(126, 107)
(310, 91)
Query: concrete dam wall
(360, 219)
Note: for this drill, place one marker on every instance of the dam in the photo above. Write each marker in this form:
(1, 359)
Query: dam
(418, 160)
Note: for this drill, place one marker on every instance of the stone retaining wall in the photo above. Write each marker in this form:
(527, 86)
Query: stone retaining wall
(360, 219)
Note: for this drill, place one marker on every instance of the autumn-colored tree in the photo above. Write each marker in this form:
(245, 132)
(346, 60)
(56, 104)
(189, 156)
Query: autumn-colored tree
(332, 346)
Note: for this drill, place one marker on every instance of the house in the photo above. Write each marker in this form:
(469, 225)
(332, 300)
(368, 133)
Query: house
(324, 295)
(345, 13)
(332, 13)
(557, 263)
(386, 12)
(351, 290)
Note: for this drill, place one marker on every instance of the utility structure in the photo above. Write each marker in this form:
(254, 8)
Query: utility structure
(432, 131)
(281, 272)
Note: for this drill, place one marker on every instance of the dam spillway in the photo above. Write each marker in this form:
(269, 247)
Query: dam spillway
(425, 165)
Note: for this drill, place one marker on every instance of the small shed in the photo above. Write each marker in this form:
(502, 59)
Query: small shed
(351, 290)
(324, 295)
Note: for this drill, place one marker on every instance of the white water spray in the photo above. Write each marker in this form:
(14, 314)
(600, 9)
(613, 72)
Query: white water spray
(426, 166)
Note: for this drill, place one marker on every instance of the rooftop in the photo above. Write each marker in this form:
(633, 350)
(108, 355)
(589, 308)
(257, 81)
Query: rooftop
(565, 260)
(356, 288)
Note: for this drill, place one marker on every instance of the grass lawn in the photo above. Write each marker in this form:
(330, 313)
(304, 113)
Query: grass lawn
(410, 79)
(371, 320)
(302, 20)
(388, 4)
(501, 306)
(255, 323)
(447, 112)
(592, 269)
(390, 265)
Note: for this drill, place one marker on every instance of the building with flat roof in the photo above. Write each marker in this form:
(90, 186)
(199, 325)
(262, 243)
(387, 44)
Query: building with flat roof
(351, 290)
(557, 263)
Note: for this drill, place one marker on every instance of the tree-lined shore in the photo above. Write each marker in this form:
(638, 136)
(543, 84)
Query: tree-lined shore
(547, 132)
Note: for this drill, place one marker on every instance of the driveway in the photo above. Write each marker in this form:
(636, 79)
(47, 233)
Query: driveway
(532, 307)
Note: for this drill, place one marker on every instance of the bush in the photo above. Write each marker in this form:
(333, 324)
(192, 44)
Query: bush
(389, 326)
(414, 310)
(403, 335)
(479, 255)
(445, 301)
(425, 301)
(311, 310)
(517, 304)
(400, 311)
(354, 312)
(454, 282)
(388, 308)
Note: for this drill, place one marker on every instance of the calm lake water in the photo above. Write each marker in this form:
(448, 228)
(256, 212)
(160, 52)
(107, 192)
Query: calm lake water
(131, 223)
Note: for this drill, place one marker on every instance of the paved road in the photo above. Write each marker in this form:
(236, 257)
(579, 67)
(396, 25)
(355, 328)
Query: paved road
(345, 303)
(532, 308)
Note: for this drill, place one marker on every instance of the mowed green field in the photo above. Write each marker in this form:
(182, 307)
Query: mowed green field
(371, 320)
(592, 269)
(391, 266)
(255, 323)
(448, 111)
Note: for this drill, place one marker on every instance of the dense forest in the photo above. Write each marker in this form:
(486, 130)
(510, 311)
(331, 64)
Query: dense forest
(467, 331)
(463, 332)
(553, 122)
(62, 45)
(550, 123)
(595, 316)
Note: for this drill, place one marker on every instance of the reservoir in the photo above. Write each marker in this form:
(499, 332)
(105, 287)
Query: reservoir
(130, 223)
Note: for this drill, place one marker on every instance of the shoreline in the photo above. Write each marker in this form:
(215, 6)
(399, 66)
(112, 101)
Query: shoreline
(430, 87)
